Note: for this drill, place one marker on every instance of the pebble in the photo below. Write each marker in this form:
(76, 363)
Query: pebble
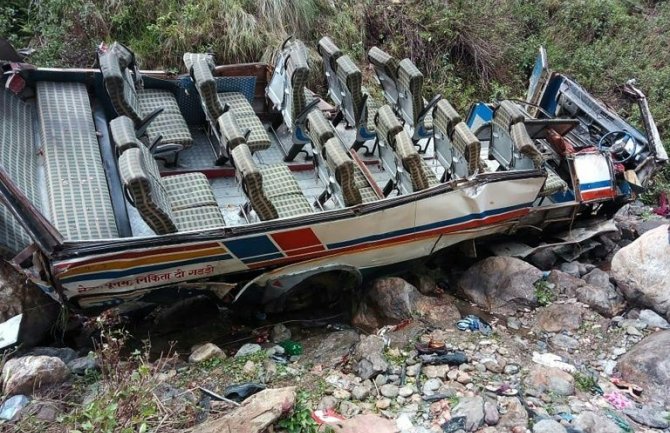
(390, 391)
(548, 426)
(452, 374)
(383, 404)
(564, 342)
(618, 351)
(381, 379)
(412, 370)
(360, 392)
(349, 409)
(248, 349)
(249, 368)
(406, 391)
(511, 369)
(513, 323)
(632, 330)
(463, 378)
(491, 415)
(431, 385)
(403, 422)
(327, 402)
(341, 394)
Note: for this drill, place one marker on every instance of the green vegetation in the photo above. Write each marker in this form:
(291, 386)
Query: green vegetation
(585, 383)
(467, 50)
(543, 293)
(300, 420)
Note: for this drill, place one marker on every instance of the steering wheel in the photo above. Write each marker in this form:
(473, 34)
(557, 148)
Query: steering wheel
(609, 142)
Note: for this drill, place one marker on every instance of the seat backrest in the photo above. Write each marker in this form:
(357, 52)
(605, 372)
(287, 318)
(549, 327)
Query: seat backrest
(201, 73)
(319, 129)
(231, 133)
(190, 58)
(351, 79)
(411, 160)
(342, 166)
(252, 182)
(297, 68)
(386, 68)
(388, 125)
(445, 118)
(410, 87)
(329, 54)
(120, 86)
(123, 134)
(145, 191)
(468, 148)
(525, 145)
(507, 114)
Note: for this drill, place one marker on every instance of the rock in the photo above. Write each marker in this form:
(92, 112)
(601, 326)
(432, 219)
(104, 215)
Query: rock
(406, 391)
(511, 369)
(80, 366)
(641, 271)
(513, 414)
(472, 408)
(403, 337)
(431, 385)
(362, 423)
(330, 350)
(280, 333)
(19, 296)
(12, 406)
(391, 300)
(412, 370)
(433, 371)
(653, 320)
(22, 375)
(370, 357)
(422, 281)
(349, 409)
(598, 278)
(565, 342)
(207, 351)
(543, 379)
(381, 379)
(491, 415)
(513, 323)
(383, 404)
(648, 364)
(463, 378)
(651, 417)
(65, 354)
(248, 349)
(327, 402)
(255, 414)
(559, 317)
(390, 391)
(270, 369)
(590, 422)
(403, 422)
(249, 368)
(342, 394)
(543, 259)
(548, 426)
(571, 268)
(501, 284)
(360, 392)
(632, 330)
(605, 301)
(46, 411)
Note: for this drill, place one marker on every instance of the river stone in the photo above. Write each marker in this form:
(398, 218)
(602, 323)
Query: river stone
(513, 414)
(206, 351)
(501, 284)
(83, 364)
(605, 301)
(389, 390)
(472, 408)
(248, 349)
(331, 349)
(349, 409)
(571, 268)
(559, 317)
(12, 406)
(641, 271)
(360, 392)
(65, 354)
(370, 357)
(599, 278)
(591, 422)
(548, 426)
(543, 379)
(648, 364)
(564, 342)
(653, 320)
(651, 417)
(491, 415)
(22, 375)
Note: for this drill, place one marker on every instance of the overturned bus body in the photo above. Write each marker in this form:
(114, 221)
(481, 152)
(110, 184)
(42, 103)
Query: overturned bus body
(120, 184)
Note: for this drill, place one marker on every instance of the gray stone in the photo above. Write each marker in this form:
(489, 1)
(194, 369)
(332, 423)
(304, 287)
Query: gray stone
(543, 379)
(472, 408)
(280, 333)
(513, 323)
(83, 364)
(591, 422)
(632, 323)
(491, 415)
(381, 379)
(653, 320)
(501, 284)
(548, 426)
(406, 391)
(65, 354)
(390, 391)
(23, 375)
(370, 357)
(571, 268)
(648, 364)
(598, 278)
(341, 394)
(330, 350)
(349, 409)
(543, 259)
(404, 423)
(651, 417)
(559, 317)
(603, 300)
(12, 406)
(383, 404)
(327, 402)
(208, 351)
(360, 392)
(511, 369)
(431, 385)
(641, 271)
(631, 330)
(513, 414)
(433, 371)
(565, 342)
(412, 370)
(248, 349)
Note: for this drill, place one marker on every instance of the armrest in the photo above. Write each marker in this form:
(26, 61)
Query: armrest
(300, 118)
(429, 106)
(144, 124)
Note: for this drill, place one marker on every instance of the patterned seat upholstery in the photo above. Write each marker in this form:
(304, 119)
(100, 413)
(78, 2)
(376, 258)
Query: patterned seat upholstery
(123, 134)
(201, 66)
(342, 166)
(18, 157)
(445, 118)
(410, 85)
(507, 114)
(367, 192)
(411, 161)
(168, 204)
(553, 184)
(352, 79)
(511, 145)
(319, 128)
(231, 134)
(386, 68)
(79, 202)
(329, 54)
(138, 103)
(297, 68)
(468, 147)
(525, 145)
(388, 125)
(273, 192)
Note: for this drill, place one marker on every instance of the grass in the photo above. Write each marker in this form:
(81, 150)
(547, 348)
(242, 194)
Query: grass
(543, 293)
(584, 382)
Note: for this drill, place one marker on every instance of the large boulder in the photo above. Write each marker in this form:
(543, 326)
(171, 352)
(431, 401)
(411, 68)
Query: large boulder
(255, 414)
(642, 270)
(501, 284)
(603, 299)
(19, 296)
(391, 300)
(25, 374)
(329, 351)
(648, 364)
(370, 358)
